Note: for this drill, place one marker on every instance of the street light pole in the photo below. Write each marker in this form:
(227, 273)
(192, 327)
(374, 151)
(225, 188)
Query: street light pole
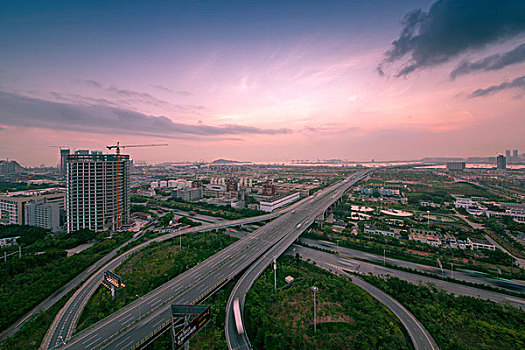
(428, 218)
(275, 275)
(315, 289)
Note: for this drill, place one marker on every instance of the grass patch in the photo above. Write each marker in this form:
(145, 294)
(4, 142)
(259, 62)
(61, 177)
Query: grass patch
(347, 316)
(32, 332)
(27, 281)
(458, 322)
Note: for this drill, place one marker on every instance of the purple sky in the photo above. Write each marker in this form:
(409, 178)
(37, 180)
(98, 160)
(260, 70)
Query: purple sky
(263, 82)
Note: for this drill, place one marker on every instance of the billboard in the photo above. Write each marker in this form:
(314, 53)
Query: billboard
(191, 318)
(112, 280)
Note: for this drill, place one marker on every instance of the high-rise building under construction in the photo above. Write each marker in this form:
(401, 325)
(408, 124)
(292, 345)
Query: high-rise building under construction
(97, 185)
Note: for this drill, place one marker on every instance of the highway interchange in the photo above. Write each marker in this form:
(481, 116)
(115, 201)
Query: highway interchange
(146, 318)
(141, 321)
(65, 322)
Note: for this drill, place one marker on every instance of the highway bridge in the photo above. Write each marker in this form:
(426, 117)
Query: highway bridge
(66, 320)
(142, 321)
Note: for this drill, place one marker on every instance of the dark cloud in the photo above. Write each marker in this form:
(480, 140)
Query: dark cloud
(452, 27)
(493, 62)
(79, 99)
(162, 88)
(165, 89)
(89, 83)
(25, 111)
(516, 83)
(128, 96)
(138, 96)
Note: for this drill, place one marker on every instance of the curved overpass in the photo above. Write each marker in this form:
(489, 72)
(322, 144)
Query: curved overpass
(234, 339)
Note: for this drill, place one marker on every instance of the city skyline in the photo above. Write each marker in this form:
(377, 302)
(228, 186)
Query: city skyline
(265, 82)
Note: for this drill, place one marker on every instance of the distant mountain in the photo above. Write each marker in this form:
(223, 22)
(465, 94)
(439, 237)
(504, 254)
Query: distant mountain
(226, 161)
(10, 167)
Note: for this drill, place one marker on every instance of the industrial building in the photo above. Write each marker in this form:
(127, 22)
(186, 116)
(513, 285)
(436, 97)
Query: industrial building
(98, 191)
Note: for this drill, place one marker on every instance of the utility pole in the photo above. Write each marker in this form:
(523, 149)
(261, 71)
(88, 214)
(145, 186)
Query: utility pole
(315, 289)
(428, 218)
(275, 275)
(19, 252)
(384, 257)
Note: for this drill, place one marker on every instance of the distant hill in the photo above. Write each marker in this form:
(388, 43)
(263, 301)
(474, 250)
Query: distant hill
(10, 167)
(226, 161)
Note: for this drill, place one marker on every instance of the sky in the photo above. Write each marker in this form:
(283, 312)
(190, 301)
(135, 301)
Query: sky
(262, 80)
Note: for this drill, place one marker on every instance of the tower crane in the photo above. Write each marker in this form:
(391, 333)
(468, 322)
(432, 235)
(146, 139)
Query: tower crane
(118, 146)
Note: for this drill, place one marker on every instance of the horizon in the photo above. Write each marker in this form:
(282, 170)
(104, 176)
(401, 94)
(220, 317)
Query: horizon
(296, 80)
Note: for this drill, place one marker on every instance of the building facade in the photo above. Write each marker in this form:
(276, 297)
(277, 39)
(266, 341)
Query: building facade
(456, 166)
(188, 194)
(63, 157)
(13, 207)
(45, 213)
(277, 202)
(501, 162)
(98, 191)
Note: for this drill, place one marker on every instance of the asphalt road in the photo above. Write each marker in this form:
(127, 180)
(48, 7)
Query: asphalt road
(421, 338)
(66, 320)
(353, 253)
(362, 267)
(141, 321)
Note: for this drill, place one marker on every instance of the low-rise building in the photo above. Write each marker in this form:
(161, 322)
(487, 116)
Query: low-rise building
(427, 239)
(476, 244)
(517, 216)
(188, 194)
(430, 204)
(278, 201)
(375, 231)
(13, 206)
(462, 202)
(146, 192)
(421, 231)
